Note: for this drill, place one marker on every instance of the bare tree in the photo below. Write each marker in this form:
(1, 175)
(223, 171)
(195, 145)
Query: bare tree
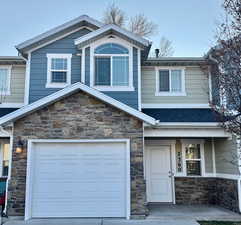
(140, 25)
(227, 69)
(114, 15)
(166, 48)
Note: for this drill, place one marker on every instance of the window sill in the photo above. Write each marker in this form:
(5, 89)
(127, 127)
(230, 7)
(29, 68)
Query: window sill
(170, 94)
(117, 88)
(56, 85)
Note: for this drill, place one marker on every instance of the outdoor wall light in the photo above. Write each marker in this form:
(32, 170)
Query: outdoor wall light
(20, 146)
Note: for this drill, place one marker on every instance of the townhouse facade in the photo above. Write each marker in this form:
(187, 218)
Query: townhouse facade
(93, 127)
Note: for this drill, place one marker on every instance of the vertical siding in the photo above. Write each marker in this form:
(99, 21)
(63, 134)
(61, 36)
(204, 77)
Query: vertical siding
(16, 86)
(38, 65)
(196, 83)
(226, 156)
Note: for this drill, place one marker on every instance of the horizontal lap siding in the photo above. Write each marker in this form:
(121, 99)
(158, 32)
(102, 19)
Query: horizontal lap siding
(196, 83)
(16, 86)
(38, 68)
(226, 156)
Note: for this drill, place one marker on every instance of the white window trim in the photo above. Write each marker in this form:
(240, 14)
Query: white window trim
(50, 84)
(115, 40)
(169, 93)
(185, 143)
(8, 92)
(1, 158)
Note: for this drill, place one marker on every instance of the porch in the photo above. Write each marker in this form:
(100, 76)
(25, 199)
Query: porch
(191, 212)
(189, 166)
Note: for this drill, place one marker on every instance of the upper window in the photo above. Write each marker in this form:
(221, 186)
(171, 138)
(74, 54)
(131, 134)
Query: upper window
(170, 82)
(112, 69)
(59, 70)
(5, 73)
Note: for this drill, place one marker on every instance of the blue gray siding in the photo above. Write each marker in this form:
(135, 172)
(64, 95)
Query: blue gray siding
(38, 66)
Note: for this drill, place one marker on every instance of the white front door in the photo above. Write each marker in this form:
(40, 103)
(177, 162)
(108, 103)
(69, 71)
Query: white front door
(159, 180)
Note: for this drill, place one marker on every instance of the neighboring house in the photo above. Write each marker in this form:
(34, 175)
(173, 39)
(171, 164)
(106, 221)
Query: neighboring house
(105, 130)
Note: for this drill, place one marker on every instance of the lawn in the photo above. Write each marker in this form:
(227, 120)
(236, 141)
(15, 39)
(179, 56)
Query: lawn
(218, 223)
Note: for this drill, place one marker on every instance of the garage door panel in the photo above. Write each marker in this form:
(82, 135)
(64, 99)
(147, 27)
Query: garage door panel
(79, 180)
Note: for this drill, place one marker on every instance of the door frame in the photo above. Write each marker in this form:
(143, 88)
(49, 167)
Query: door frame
(171, 144)
(30, 149)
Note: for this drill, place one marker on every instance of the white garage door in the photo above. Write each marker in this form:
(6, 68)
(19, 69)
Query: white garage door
(78, 179)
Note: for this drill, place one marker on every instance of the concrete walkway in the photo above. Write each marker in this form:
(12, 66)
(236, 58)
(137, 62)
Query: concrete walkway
(159, 215)
(192, 212)
(100, 222)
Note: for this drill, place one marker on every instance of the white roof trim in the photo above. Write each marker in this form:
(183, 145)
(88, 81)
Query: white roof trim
(116, 28)
(67, 91)
(58, 29)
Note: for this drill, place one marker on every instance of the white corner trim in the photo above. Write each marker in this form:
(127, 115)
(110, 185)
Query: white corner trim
(9, 71)
(213, 156)
(50, 84)
(29, 176)
(175, 106)
(68, 90)
(139, 78)
(27, 80)
(83, 66)
(115, 28)
(210, 85)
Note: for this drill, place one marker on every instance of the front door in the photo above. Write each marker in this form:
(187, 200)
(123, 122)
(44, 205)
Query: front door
(159, 180)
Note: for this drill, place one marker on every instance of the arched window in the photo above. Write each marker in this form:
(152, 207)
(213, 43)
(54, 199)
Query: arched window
(111, 65)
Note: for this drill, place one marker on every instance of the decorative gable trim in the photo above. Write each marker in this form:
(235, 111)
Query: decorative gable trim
(68, 91)
(115, 28)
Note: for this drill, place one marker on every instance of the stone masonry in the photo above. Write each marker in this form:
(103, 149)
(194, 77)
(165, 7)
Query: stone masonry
(204, 190)
(79, 116)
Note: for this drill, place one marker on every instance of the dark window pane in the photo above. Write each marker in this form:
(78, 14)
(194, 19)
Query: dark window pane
(193, 168)
(164, 80)
(102, 71)
(5, 168)
(59, 77)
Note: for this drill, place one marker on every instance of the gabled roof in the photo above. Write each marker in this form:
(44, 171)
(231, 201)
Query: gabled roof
(112, 29)
(84, 20)
(68, 91)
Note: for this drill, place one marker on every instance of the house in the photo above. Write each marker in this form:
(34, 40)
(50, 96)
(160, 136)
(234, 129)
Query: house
(92, 127)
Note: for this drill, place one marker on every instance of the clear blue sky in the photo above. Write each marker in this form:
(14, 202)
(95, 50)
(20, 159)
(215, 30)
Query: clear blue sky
(189, 24)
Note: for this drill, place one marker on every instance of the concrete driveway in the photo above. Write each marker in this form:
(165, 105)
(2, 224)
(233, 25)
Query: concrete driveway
(101, 222)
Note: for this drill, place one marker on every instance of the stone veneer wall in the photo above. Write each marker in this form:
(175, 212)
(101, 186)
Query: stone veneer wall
(204, 190)
(78, 116)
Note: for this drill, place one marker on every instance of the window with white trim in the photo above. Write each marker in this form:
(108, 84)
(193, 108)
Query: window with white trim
(5, 77)
(59, 70)
(112, 67)
(193, 157)
(170, 82)
(4, 157)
